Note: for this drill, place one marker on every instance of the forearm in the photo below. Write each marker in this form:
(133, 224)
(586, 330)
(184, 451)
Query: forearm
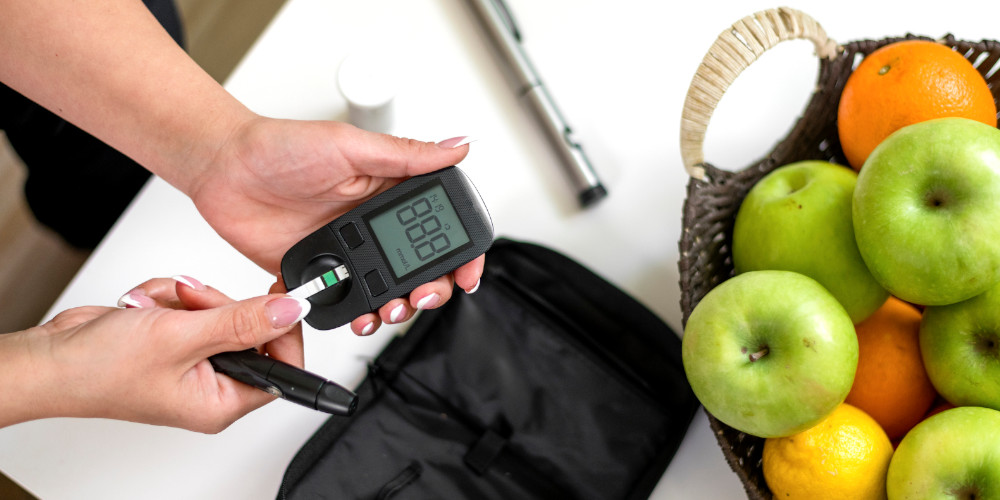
(110, 68)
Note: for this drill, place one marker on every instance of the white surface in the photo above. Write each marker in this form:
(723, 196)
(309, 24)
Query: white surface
(619, 71)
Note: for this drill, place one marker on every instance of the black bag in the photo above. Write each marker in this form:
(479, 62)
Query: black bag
(548, 383)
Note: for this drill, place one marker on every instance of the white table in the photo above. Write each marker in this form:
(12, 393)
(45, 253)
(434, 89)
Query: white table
(619, 70)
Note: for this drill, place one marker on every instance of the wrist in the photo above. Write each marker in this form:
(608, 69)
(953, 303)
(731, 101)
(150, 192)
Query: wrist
(27, 379)
(203, 151)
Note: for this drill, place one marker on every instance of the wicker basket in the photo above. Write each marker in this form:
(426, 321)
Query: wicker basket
(714, 195)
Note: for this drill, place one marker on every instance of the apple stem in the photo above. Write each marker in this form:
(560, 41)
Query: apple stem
(759, 354)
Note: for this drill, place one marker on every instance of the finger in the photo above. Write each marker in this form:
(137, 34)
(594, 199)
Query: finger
(468, 275)
(366, 324)
(278, 286)
(156, 292)
(395, 311)
(244, 324)
(433, 294)
(163, 292)
(232, 400)
(426, 296)
(383, 155)
(288, 348)
(196, 296)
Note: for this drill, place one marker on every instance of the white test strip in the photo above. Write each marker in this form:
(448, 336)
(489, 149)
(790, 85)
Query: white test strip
(320, 283)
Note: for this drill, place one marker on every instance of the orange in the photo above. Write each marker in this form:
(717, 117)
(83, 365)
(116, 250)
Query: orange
(845, 456)
(904, 83)
(891, 383)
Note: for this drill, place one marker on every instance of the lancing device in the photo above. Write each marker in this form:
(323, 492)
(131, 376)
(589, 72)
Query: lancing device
(499, 24)
(412, 233)
(286, 381)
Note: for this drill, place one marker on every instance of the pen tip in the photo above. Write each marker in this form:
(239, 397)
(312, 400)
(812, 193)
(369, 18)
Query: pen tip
(336, 400)
(592, 195)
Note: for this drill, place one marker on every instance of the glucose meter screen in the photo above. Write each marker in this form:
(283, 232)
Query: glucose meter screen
(418, 231)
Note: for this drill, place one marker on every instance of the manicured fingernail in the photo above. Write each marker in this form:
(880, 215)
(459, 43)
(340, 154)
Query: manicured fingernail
(287, 311)
(428, 301)
(136, 298)
(455, 142)
(189, 281)
(397, 313)
(474, 287)
(368, 329)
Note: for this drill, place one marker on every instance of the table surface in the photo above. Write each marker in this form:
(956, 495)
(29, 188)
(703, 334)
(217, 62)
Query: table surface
(619, 71)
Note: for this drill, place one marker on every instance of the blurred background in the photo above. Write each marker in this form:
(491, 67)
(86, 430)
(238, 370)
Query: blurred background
(37, 264)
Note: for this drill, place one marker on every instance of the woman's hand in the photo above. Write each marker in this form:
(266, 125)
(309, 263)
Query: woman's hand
(274, 182)
(148, 363)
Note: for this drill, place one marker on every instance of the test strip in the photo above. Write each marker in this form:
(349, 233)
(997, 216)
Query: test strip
(321, 282)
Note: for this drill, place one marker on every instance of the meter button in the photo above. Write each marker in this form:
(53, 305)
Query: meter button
(352, 237)
(376, 283)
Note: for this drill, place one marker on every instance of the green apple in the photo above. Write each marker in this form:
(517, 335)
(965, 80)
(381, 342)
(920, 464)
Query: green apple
(960, 344)
(798, 218)
(770, 353)
(952, 455)
(927, 211)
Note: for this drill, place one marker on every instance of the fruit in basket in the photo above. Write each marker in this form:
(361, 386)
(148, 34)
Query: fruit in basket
(891, 383)
(798, 218)
(940, 405)
(950, 455)
(961, 349)
(770, 353)
(926, 211)
(904, 83)
(845, 455)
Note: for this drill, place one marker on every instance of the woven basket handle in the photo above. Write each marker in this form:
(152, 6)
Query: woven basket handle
(734, 51)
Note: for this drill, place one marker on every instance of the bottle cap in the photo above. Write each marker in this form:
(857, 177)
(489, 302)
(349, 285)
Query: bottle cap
(367, 80)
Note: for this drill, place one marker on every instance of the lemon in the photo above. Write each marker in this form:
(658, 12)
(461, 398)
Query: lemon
(845, 456)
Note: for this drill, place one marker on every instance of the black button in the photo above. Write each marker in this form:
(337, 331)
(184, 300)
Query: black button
(376, 283)
(351, 235)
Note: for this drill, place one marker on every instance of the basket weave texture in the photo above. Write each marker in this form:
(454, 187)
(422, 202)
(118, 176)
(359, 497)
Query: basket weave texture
(711, 205)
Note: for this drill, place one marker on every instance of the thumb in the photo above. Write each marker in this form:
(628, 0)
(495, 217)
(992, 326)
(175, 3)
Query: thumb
(383, 155)
(248, 323)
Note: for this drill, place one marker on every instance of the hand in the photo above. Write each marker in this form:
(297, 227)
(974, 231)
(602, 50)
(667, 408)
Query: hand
(276, 181)
(262, 183)
(148, 364)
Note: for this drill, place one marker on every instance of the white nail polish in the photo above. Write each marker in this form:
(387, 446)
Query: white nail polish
(367, 330)
(455, 142)
(127, 300)
(183, 280)
(397, 313)
(428, 301)
(474, 287)
(306, 308)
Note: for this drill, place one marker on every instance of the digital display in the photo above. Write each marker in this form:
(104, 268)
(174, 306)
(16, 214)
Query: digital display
(418, 230)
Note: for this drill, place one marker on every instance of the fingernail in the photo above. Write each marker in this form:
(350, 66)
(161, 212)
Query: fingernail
(474, 287)
(136, 298)
(455, 142)
(397, 313)
(368, 329)
(287, 311)
(189, 281)
(428, 301)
